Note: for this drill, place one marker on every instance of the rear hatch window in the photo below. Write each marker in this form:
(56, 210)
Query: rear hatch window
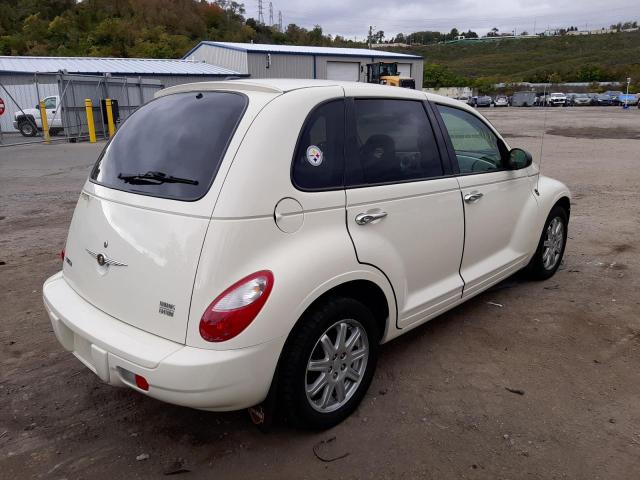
(173, 146)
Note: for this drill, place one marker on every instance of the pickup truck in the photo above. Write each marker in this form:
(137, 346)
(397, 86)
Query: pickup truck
(29, 122)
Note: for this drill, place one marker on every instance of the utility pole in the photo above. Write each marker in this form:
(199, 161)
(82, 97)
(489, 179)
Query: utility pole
(271, 14)
(260, 13)
(280, 20)
(370, 38)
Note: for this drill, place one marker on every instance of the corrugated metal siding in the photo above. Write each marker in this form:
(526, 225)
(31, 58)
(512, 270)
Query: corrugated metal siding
(281, 66)
(171, 80)
(23, 89)
(224, 57)
(125, 66)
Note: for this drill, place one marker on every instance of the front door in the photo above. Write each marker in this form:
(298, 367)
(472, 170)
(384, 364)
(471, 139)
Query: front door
(54, 118)
(499, 203)
(403, 215)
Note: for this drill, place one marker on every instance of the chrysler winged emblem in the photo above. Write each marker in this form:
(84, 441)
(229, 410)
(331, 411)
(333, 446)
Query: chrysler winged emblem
(104, 260)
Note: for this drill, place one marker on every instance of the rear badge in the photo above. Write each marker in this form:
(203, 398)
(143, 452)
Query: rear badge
(314, 155)
(167, 309)
(104, 260)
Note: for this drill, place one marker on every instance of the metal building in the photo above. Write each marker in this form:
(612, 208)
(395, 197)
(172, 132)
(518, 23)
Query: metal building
(25, 80)
(293, 61)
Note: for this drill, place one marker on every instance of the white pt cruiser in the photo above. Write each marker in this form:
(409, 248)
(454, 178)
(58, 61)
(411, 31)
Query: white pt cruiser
(244, 240)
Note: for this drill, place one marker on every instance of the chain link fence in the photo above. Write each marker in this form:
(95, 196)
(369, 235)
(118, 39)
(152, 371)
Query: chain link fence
(64, 97)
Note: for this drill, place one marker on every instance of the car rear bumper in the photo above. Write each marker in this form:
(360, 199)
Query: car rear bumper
(217, 380)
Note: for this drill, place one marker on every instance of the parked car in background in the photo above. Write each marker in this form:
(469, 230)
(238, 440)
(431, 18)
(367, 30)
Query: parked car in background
(29, 121)
(198, 283)
(523, 99)
(578, 99)
(628, 99)
(615, 96)
(557, 99)
(481, 101)
(603, 100)
(501, 101)
(593, 97)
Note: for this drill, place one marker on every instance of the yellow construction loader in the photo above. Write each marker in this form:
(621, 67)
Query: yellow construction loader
(387, 74)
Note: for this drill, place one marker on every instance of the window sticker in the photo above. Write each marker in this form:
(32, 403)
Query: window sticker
(314, 155)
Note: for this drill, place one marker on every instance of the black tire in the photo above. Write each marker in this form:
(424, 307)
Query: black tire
(301, 345)
(27, 129)
(536, 268)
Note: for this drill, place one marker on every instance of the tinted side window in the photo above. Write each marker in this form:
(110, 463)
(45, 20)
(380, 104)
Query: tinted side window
(50, 102)
(184, 136)
(318, 163)
(477, 147)
(394, 143)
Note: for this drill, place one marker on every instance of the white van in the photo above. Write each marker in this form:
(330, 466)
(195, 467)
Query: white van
(249, 238)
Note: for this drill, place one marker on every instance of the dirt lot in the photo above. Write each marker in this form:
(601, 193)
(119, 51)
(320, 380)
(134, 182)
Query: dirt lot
(439, 405)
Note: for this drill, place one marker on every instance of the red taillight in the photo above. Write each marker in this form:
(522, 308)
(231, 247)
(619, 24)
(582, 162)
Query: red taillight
(236, 307)
(62, 254)
(141, 383)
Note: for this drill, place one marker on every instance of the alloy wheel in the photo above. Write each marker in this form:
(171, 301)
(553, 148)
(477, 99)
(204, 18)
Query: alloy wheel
(337, 365)
(553, 243)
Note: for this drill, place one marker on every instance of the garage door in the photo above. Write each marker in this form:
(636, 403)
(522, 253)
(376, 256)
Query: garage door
(349, 71)
(404, 69)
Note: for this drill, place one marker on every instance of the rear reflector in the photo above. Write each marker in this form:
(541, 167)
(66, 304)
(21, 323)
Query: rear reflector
(142, 383)
(62, 254)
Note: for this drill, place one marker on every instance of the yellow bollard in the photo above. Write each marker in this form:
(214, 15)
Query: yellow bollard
(45, 122)
(112, 126)
(88, 106)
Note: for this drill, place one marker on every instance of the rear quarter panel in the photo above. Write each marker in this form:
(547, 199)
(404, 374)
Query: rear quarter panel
(243, 236)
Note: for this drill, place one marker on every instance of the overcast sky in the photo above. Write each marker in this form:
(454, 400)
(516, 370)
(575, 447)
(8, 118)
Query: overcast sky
(352, 17)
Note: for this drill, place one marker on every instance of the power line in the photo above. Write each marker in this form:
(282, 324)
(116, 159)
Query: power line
(260, 13)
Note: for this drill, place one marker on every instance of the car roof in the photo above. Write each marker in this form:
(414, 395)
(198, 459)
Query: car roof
(283, 85)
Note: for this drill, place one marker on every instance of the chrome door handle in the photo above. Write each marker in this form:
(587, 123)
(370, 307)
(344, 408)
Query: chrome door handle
(473, 197)
(365, 218)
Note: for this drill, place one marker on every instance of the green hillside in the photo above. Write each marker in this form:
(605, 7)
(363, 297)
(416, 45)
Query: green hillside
(566, 58)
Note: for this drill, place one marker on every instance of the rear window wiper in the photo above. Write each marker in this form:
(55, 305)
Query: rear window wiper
(153, 178)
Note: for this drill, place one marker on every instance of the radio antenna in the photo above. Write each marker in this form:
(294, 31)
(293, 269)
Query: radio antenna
(544, 130)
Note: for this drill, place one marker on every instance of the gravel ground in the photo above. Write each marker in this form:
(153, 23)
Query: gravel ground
(439, 406)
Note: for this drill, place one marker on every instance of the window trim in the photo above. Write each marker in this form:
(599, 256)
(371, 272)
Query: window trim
(452, 152)
(351, 144)
(305, 124)
(214, 174)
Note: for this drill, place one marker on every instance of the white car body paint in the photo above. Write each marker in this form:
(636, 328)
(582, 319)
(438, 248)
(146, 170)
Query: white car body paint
(432, 252)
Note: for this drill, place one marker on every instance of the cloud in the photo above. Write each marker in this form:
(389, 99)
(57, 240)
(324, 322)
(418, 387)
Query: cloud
(352, 18)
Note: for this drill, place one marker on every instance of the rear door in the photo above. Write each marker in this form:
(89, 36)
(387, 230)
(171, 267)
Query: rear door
(134, 241)
(499, 203)
(404, 216)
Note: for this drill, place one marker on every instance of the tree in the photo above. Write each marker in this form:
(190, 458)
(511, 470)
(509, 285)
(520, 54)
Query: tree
(493, 32)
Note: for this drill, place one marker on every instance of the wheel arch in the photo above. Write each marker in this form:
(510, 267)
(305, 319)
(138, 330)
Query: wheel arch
(367, 285)
(565, 203)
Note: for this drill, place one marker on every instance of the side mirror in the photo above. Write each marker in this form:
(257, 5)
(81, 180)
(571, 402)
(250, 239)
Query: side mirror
(519, 158)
